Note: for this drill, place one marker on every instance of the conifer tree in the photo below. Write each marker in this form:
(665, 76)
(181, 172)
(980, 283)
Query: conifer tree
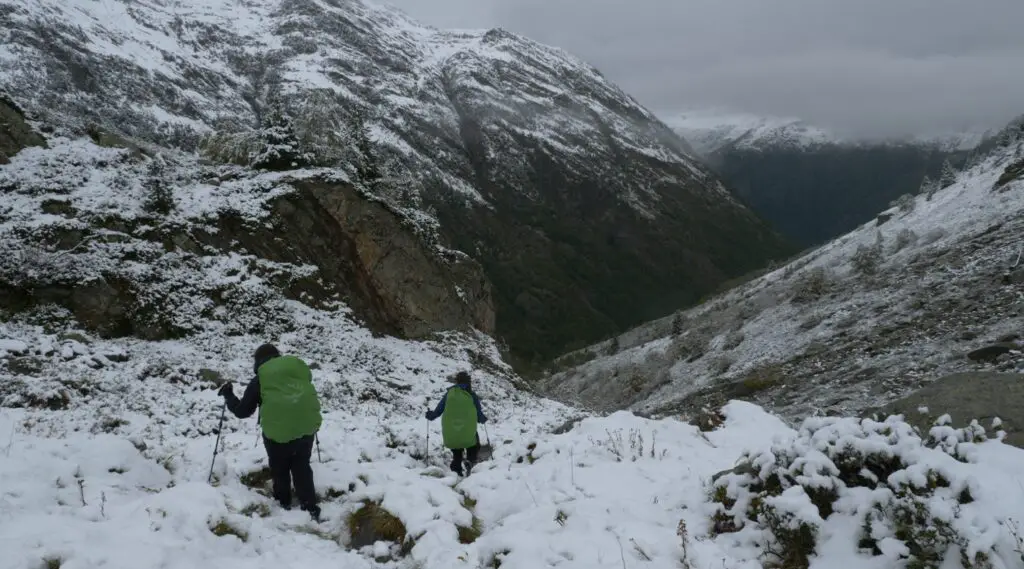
(279, 146)
(948, 176)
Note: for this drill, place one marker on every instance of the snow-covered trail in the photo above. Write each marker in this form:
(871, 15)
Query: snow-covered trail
(611, 489)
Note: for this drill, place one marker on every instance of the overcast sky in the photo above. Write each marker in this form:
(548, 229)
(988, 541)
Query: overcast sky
(870, 67)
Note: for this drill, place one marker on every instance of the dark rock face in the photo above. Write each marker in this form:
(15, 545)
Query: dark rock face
(389, 274)
(393, 280)
(965, 396)
(15, 133)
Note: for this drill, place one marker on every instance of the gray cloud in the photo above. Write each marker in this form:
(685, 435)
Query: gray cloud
(863, 67)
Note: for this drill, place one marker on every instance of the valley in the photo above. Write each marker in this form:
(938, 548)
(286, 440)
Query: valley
(694, 347)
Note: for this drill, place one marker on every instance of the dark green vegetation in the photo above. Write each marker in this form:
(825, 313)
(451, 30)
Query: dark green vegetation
(581, 265)
(817, 194)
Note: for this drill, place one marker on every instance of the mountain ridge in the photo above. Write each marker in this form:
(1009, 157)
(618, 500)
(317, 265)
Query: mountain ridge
(492, 143)
(714, 130)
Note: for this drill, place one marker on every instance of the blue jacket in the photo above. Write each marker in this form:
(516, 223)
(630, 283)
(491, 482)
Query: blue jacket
(431, 415)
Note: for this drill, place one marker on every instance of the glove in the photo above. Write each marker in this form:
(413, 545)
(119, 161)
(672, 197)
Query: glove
(225, 389)
(429, 415)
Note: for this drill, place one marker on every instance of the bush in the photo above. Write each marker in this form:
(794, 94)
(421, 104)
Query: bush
(867, 260)
(159, 197)
(812, 285)
(898, 487)
(762, 378)
(904, 239)
(905, 203)
(372, 523)
(708, 419)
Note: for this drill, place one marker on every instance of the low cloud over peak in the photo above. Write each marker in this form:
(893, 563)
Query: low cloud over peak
(864, 68)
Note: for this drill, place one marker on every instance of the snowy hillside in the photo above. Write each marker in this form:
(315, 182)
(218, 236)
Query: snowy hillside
(491, 142)
(114, 472)
(715, 130)
(858, 322)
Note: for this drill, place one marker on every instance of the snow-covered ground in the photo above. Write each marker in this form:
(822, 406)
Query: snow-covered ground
(119, 478)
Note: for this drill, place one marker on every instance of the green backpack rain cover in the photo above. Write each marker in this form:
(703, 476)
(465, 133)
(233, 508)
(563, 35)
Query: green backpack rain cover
(458, 422)
(289, 406)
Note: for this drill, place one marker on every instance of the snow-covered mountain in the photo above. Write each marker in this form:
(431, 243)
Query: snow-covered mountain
(813, 184)
(517, 154)
(858, 322)
(136, 277)
(710, 131)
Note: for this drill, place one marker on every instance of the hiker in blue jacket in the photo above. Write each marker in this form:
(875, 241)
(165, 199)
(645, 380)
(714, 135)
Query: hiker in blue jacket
(459, 424)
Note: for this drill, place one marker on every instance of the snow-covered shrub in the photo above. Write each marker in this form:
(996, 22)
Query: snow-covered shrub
(733, 340)
(708, 419)
(905, 203)
(231, 146)
(905, 238)
(933, 235)
(812, 285)
(903, 491)
(867, 259)
(630, 447)
(720, 364)
(159, 195)
(762, 377)
(691, 345)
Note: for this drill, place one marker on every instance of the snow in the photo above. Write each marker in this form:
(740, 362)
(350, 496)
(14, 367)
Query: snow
(126, 468)
(188, 65)
(710, 129)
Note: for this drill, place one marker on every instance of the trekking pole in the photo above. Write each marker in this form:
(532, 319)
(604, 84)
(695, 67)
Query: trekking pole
(316, 437)
(216, 446)
(426, 457)
(487, 436)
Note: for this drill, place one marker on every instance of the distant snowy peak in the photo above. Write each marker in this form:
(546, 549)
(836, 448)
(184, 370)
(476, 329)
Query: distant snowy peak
(711, 130)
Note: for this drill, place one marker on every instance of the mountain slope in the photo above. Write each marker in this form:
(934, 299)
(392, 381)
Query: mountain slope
(853, 324)
(811, 184)
(571, 196)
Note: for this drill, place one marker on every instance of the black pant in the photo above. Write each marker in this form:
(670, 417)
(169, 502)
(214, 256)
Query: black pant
(471, 455)
(289, 463)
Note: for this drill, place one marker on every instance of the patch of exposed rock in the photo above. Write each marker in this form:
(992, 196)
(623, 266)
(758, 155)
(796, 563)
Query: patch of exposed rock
(156, 277)
(984, 396)
(15, 132)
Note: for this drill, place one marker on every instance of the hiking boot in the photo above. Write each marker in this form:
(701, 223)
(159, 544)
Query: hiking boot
(456, 467)
(469, 467)
(314, 512)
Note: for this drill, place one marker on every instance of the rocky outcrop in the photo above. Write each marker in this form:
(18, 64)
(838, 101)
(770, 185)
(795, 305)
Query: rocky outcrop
(149, 277)
(984, 396)
(15, 133)
(396, 281)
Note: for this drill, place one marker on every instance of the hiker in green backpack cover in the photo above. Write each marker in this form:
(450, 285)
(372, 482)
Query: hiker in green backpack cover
(460, 413)
(289, 417)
